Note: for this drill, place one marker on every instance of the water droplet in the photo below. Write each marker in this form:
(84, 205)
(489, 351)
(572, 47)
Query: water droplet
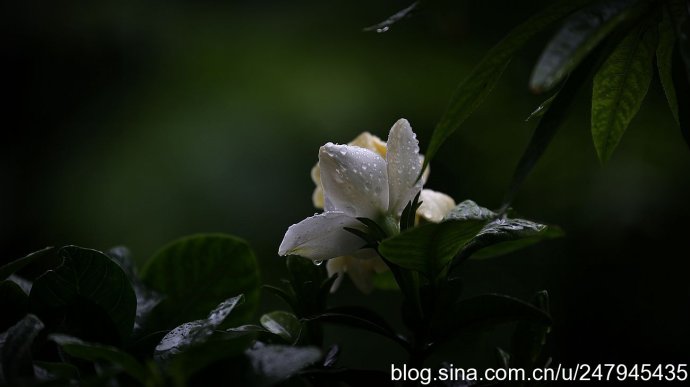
(364, 167)
(318, 262)
(382, 30)
(343, 151)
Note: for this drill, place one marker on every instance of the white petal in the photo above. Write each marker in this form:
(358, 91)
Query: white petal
(435, 205)
(355, 180)
(360, 271)
(336, 266)
(404, 164)
(322, 237)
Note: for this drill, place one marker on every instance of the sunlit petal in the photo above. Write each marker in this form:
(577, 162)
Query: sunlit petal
(321, 237)
(355, 180)
(435, 205)
(404, 164)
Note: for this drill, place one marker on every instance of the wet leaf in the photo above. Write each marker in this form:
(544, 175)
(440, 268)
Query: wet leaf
(284, 324)
(195, 332)
(580, 33)
(503, 236)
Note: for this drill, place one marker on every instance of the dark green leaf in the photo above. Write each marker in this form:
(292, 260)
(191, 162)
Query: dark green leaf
(664, 61)
(430, 247)
(477, 86)
(361, 318)
(14, 304)
(284, 295)
(579, 34)
(503, 236)
(87, 282)
(541, 109)
(274, 363)
(196, 274)
(95, 352)
(15, 349)
(483, 311)
(12, 267)
(385, 281)
(284, 324)
(680, 14)
(195, 332)
(619, 88)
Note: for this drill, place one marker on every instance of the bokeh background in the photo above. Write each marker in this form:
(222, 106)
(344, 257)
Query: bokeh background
(137, 122)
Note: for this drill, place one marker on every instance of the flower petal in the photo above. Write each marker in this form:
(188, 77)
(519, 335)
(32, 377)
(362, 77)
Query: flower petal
(435, 205)
(355, 180)
(321, 237)
(404, 164)
(360, 271)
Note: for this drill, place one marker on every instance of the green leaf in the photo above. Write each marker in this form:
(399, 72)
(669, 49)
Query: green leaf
(95, 352)
(195, 332)
(483, 311)
(15, 349)
(529, 337)
(284, 324)
(386, 24)
(427, 249)
(664, 61)
(58, 371)
(360, 318)
(680, 14)
(14, 302)
(385, 281)
(12, 267)
(86, 287)
(504, 236)
(196, 274)
(619, 88)
(478, 85)
(580, 33)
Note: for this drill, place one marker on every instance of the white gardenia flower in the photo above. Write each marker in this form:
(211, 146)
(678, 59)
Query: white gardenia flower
(356, 181)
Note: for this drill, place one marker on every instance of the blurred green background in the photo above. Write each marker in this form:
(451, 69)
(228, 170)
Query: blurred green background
(137, 122)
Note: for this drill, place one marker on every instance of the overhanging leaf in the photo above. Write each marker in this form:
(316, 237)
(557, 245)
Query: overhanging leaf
(15, 349)
(195, 332)
(619, 88)
(503, 236)
(95, 352)
(664, 61)
(87, 284)
(477, 86)
(283, 324)
(196, 274)
(580, 33)
(429, 248)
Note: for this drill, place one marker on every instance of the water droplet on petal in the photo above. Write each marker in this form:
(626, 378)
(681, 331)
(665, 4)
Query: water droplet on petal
(382, 30)
(318, 262)
(343, 151)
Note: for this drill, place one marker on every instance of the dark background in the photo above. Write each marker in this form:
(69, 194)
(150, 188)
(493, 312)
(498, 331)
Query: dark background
(138, 122)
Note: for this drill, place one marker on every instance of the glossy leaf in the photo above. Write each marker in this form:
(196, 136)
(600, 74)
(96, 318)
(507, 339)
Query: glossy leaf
(197, 273)
(580, 33)
(87, 282)
(15, 349)
(195, 332)
(664, 61)
(283, 324)
(483, 311)
(478, 85)
(469, 210)
(14, 302)
(620, 85)
(95, 352)
(427, 249)
(12, 267)
(504, 236)
(386, 24)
